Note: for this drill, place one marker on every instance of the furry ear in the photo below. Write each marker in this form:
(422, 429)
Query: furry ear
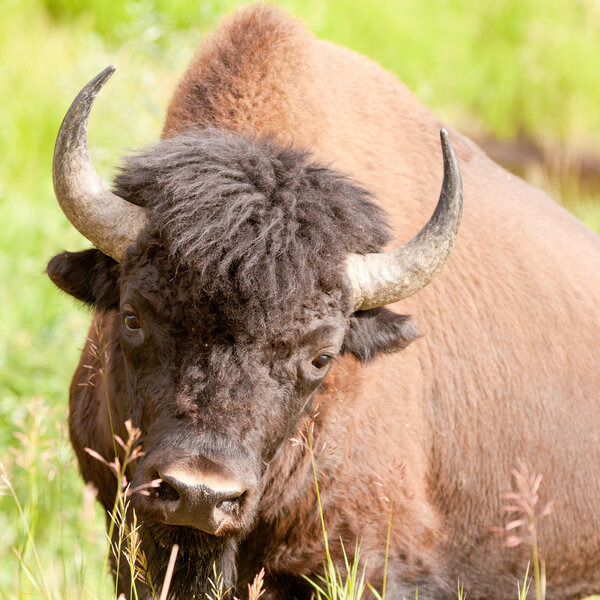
(378, 330)
(89, 276)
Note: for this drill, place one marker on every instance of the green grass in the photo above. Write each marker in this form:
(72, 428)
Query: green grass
(509, 65)
(519, 65)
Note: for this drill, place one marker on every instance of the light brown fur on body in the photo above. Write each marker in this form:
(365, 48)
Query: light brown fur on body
(506, 371)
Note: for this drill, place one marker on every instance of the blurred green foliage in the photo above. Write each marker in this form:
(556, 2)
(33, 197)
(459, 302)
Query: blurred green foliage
(113, 20)
(510, 66)
(514, 65)
(504, 68)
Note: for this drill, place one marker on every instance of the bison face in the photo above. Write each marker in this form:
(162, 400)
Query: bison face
(214, 399)
(216, 394)
(239, 271)
(233, 272)
(231, 306)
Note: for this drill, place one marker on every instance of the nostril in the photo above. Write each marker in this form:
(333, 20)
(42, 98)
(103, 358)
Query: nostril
(231, 504)
(165, 491)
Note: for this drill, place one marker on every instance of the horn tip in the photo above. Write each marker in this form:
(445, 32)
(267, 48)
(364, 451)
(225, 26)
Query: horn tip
(450, 160)
(445, 138)
(105, 74)
(97, 83)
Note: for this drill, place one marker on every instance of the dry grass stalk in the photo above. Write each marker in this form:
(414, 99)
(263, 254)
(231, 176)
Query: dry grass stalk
(169, 574)
(523, 505)
(122, 518)
(255, 589)
(217, 586)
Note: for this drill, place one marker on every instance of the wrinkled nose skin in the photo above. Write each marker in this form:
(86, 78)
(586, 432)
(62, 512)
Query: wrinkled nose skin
(195, 492)
(208, 504)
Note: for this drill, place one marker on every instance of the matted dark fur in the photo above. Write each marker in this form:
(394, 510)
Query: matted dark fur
(199, 557)
(257, 226)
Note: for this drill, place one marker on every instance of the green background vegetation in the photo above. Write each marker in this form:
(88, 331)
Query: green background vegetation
(510, 69)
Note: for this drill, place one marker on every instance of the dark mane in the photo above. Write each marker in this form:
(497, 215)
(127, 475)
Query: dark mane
(261, 225)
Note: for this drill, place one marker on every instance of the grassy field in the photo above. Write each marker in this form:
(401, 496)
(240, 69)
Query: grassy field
(511, 68)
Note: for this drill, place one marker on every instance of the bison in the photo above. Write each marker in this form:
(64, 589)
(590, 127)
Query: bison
(245, 287)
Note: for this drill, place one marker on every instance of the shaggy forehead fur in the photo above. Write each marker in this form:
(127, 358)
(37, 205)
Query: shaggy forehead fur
(261, 230)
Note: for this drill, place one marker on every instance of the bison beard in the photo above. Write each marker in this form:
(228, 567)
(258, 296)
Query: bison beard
(200, 556)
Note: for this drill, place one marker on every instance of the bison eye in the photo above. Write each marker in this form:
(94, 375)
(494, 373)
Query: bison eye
(132, 323)
(321, 361)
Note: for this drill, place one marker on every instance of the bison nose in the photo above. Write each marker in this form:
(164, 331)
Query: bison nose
(210, 504)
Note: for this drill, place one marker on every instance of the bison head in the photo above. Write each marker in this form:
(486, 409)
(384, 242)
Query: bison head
(235, 271)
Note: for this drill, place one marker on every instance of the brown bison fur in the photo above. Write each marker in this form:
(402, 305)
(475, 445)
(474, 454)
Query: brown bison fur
(505, 373)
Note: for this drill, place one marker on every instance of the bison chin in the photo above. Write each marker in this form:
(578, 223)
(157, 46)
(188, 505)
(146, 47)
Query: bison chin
(200, 556)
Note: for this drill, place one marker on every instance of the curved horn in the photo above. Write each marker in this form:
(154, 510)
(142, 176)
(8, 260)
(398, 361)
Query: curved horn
(108, 221)
(379, 279)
